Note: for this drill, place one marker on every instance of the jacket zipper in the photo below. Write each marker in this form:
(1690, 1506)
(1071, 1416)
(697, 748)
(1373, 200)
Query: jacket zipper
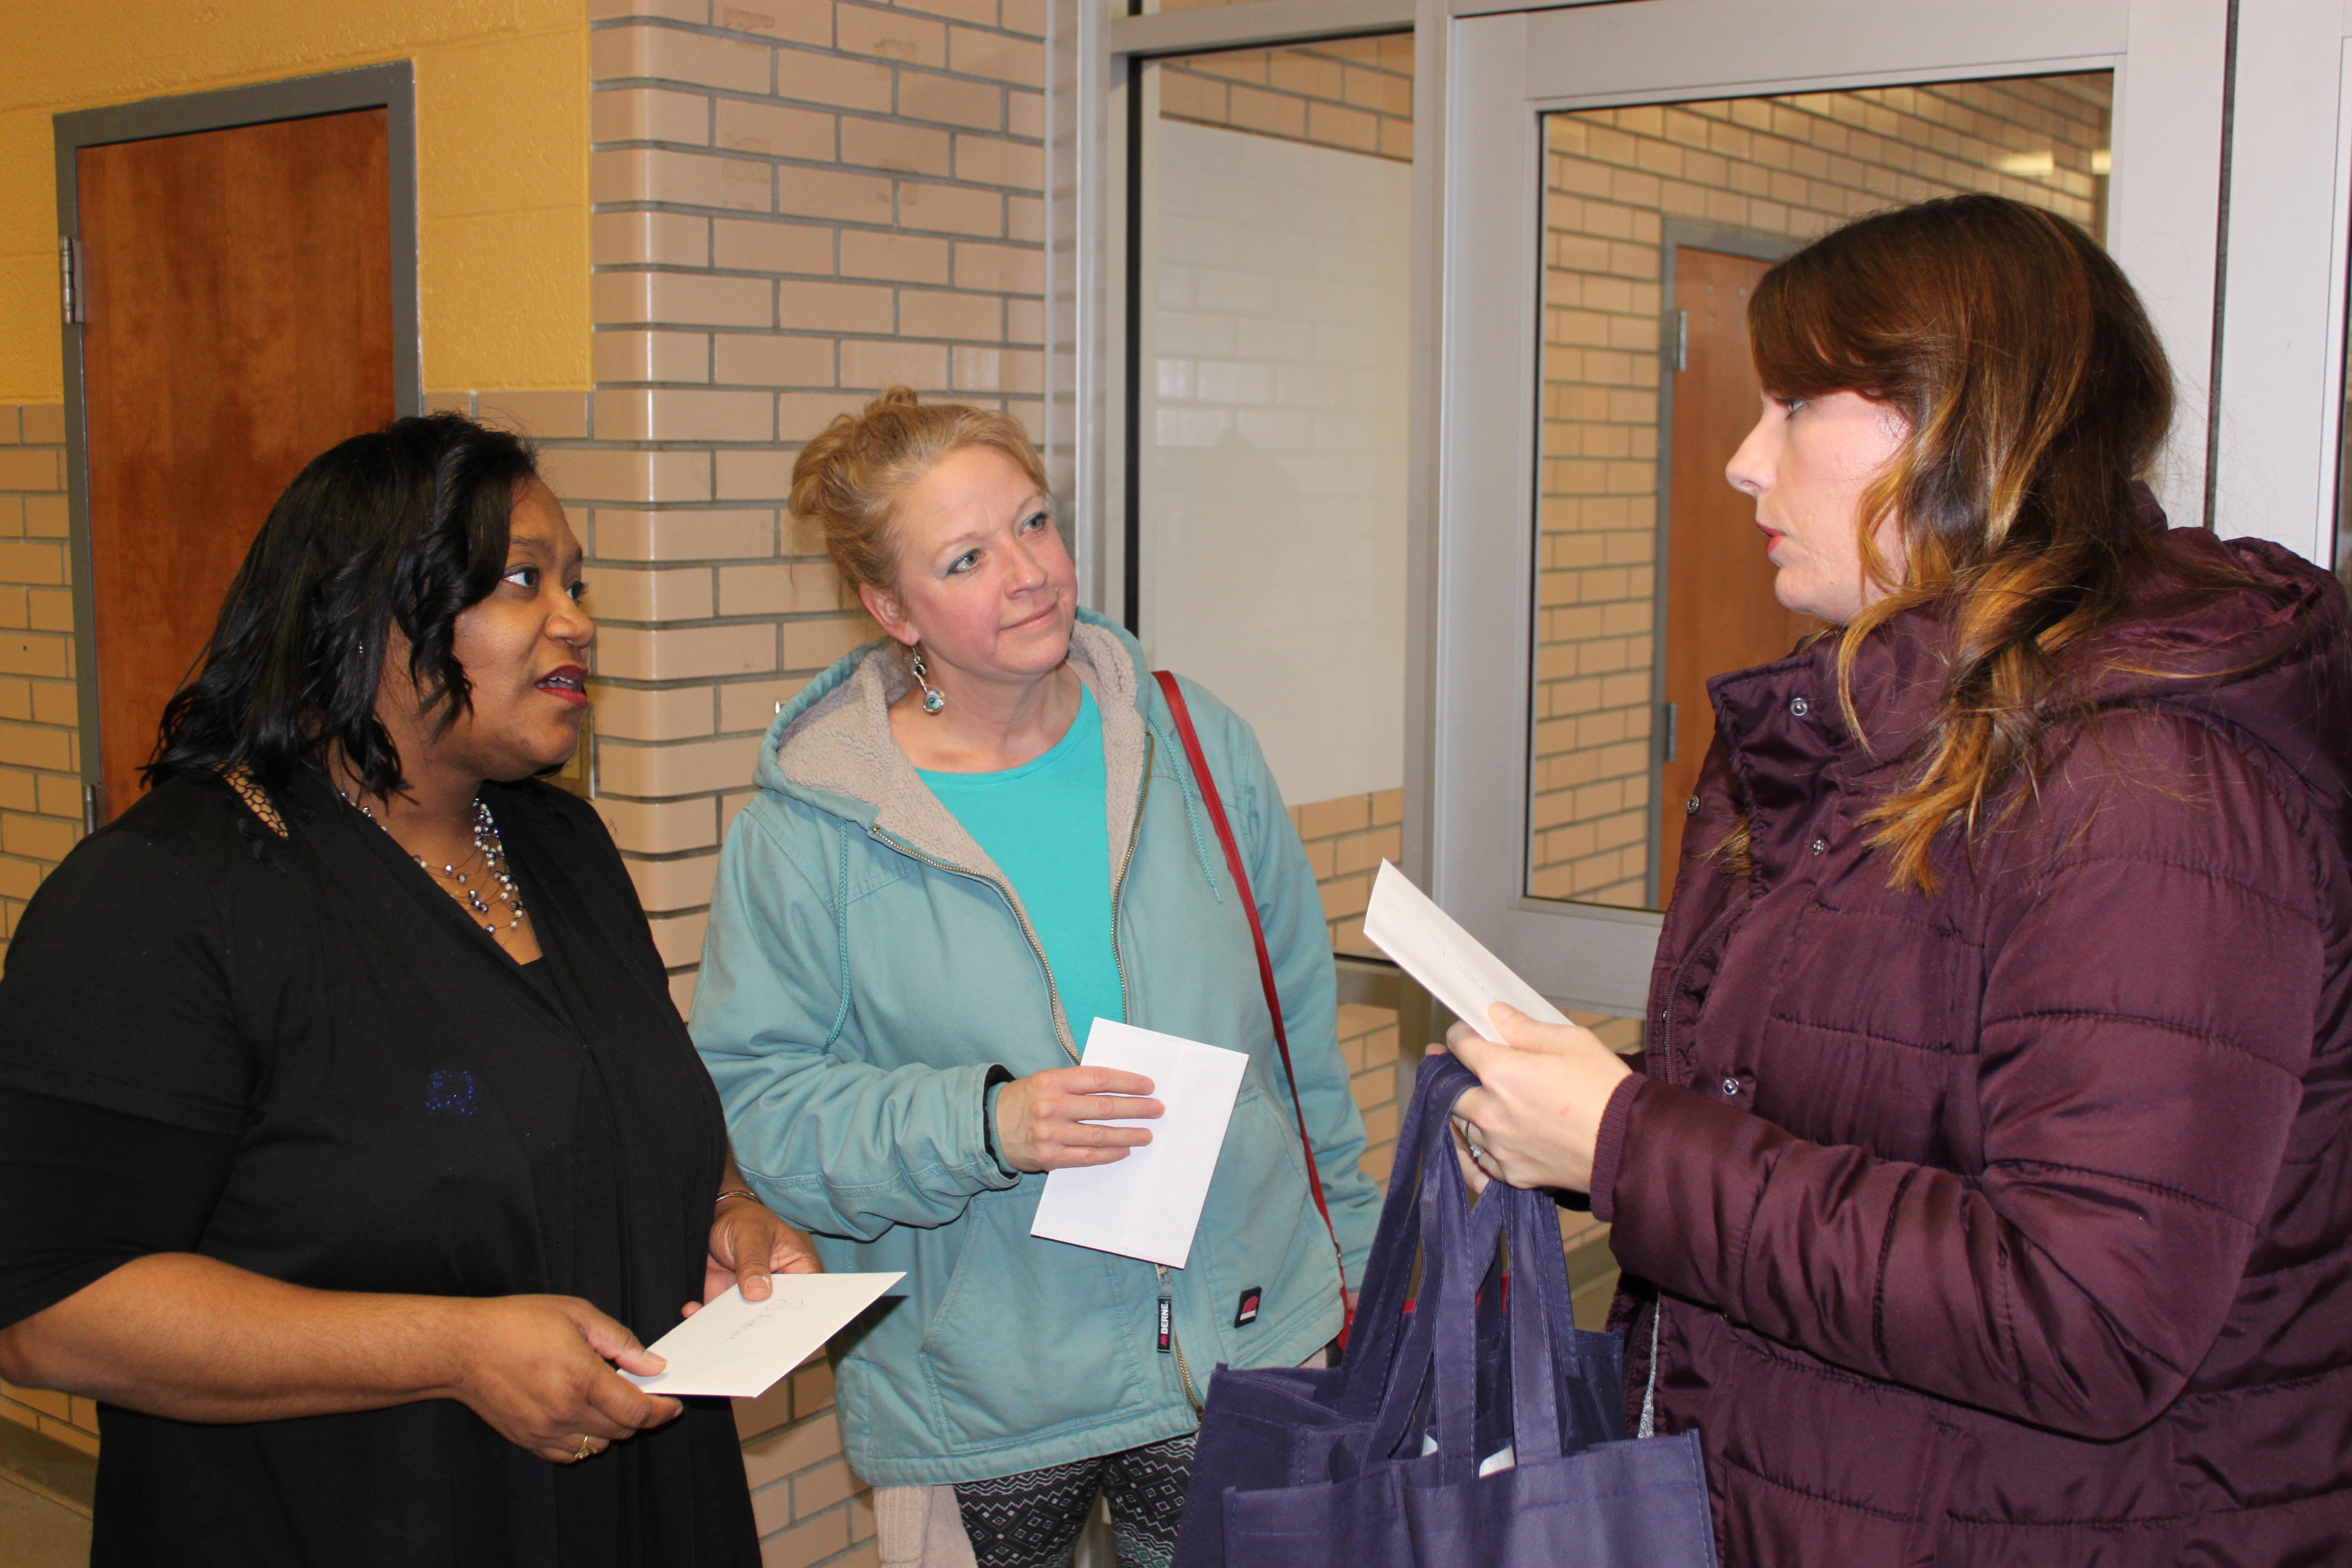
(1175, 1343)
(1118, 885)
(1674, 981)
(1061, 1027)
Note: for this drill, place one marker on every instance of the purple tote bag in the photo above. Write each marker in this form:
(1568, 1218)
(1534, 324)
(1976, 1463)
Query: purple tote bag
(1476, 1428)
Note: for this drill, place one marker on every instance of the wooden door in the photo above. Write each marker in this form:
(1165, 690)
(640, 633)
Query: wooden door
(1720, 611)
(238, 323)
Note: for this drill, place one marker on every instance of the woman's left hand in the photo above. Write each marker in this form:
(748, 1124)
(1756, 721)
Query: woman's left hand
(749, 1243)
(1535, 1117)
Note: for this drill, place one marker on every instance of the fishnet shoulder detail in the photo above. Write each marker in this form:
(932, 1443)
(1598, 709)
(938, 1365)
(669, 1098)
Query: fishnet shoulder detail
(256, 800)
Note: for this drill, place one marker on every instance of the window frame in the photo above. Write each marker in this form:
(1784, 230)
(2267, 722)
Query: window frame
(1093, 154)
(2275, 445)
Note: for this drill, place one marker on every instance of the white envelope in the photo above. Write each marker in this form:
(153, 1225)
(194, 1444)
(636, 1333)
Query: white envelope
(1451, 964)
(1147, 1204)
(740, 1348)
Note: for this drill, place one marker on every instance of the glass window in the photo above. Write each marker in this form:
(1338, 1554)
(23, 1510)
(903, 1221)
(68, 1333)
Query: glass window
(1274, 316)
(1658, 220)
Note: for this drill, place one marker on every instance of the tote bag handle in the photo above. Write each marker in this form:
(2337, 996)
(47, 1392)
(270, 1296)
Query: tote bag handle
(1216, 807)
(1439, 1349)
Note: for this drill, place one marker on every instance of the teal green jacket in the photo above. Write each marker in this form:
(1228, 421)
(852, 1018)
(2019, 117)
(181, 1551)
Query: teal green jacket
(866, 966)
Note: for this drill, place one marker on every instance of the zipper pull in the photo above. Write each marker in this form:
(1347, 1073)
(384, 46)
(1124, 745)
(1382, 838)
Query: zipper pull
(1166, 1324)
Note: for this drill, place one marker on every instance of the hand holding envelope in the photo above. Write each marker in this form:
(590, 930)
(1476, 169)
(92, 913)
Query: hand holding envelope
(1147, 1204)
(737, 1347)
(1536, 1117)
(1450, 964)
(1083, 1115)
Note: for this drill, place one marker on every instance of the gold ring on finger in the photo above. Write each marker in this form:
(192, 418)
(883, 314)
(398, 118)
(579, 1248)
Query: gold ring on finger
(587, 1450)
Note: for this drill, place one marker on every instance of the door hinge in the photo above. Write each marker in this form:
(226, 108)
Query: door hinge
(93, 807)
(1678, 339)
(1667, 713)
(69, 279)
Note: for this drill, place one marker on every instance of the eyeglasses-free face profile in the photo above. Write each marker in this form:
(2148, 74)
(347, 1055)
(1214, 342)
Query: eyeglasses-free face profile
(1985, 1099)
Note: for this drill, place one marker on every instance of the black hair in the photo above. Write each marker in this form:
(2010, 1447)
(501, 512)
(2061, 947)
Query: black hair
(405, 527)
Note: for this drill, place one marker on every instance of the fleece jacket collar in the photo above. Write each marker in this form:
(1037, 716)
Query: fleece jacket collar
(832, 747)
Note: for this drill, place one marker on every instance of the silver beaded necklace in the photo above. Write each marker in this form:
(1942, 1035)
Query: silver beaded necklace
(492, 850)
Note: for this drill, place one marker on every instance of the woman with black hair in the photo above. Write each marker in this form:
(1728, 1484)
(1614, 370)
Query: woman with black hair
(352, 1138)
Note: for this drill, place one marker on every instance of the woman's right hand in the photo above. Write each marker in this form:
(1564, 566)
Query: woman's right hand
(1052, 1120)
(536, 1368)
(1534, 1121)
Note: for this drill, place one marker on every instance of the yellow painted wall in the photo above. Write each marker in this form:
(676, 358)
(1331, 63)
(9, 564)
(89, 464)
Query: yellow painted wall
(501, 153)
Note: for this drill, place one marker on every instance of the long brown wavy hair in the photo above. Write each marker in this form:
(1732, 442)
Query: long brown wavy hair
(2036, 394)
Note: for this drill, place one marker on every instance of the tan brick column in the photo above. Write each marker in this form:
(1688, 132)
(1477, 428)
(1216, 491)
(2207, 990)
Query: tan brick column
(797, 204)
(40, 756)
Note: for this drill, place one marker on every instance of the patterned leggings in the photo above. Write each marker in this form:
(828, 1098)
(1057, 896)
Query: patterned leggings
(1032, 1520)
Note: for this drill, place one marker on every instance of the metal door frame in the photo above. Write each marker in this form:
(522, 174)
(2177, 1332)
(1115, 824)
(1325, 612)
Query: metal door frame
(390, 88)
(1675, 234)
(2277, 452)
(1094, 144)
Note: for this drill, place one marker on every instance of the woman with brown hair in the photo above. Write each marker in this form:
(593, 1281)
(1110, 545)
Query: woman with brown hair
(1985, 1196)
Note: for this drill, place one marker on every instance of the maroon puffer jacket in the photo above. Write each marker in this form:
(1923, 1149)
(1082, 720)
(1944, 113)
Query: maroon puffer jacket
(2014, 1225)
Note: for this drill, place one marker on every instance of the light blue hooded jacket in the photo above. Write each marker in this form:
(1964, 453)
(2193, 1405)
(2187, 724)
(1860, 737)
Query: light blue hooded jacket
(867, 964)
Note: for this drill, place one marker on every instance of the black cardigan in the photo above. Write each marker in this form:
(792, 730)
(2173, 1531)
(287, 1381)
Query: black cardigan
(299, 1057)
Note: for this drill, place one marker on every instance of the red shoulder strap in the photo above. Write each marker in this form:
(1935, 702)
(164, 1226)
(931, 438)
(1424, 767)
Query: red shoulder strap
(1210, 798)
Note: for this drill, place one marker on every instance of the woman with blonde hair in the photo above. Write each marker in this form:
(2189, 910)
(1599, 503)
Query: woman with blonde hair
(1985, 1196)
(972, 839)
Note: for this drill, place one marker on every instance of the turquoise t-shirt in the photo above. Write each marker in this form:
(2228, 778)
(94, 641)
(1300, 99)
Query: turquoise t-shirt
(1043, 823)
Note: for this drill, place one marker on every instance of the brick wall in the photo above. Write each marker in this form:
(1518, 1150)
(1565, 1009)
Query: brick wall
(809, 1507)
(1368, 1043)
(1355, 94)
(1792, 167)
(68, 1418)
(798, 203)
(40, 761)
(1346, 840)
(40, 782)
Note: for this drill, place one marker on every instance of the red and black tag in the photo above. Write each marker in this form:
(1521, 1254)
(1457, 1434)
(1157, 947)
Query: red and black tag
(1167, 1324)
(1246, 1313)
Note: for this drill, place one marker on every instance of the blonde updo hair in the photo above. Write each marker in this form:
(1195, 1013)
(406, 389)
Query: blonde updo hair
(848, 479)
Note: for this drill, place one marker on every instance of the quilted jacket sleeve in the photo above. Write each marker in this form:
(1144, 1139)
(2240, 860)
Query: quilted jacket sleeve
(2148, 1012)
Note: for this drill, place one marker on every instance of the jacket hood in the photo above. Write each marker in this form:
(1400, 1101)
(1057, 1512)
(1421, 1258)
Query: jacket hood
(2269, 660)
(831, 746)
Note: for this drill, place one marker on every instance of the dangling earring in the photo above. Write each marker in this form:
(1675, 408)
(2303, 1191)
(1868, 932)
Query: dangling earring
(933, 698)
